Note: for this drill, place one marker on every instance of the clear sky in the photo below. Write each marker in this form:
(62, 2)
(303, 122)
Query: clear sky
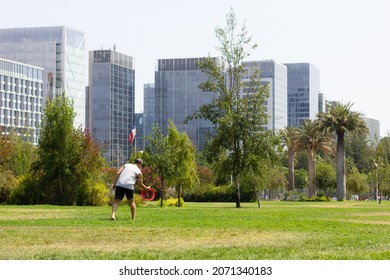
(348, 40)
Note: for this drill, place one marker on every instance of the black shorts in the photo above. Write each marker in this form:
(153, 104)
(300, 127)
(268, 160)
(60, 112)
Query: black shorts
(120, 193)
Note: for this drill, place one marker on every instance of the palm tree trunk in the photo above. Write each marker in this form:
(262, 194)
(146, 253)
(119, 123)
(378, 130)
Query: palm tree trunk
(291, 171)
(340, 166)
(310, 163)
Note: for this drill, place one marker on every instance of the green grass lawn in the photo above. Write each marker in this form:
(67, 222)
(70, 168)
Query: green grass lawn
(276, 231)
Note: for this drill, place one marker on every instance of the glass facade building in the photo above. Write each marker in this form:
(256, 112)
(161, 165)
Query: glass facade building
(111, 102)
(303, 86)
(21, 99)
(60, 51)
(275, 74)
(374, 129)
(177, 96)
(149, 111)
(321, 103)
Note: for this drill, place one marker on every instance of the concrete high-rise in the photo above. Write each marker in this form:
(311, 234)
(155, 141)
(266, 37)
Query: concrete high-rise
(60, 51)
(303, 86)
(21, 99)
(111, 102)
(275, 75)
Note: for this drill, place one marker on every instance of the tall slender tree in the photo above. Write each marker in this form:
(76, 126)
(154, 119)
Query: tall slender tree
(158, 158)
(182, 156)
(239, 118)
(340, 119)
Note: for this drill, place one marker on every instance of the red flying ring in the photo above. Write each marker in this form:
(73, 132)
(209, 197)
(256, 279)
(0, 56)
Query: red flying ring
(148, 194)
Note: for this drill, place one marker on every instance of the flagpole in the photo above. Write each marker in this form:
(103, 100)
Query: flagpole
(135, 145)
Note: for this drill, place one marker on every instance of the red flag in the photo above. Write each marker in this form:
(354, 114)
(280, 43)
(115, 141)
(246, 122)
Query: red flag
(132, 135)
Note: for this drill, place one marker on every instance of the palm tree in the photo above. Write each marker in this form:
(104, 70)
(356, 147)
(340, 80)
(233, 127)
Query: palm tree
(290, 140)
(311, 139)
(340, 119)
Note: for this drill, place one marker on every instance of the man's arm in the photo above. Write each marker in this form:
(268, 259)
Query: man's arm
(141, 182)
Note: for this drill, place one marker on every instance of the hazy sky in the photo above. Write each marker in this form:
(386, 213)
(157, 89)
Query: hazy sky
(348, 40)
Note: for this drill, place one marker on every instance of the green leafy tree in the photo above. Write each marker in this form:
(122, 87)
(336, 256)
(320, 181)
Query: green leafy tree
(340, 119)
(311, 140)
(384, 143)
(182, 156)
(239, 140)
(301, 179)
(157, 155)
(357, 183)
(326, 178)
(69, 164)
(357, 147)
(57, 151)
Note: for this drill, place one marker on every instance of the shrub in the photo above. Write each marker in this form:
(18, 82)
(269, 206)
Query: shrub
(137, 199)
(171, 202)
(211, 193)
(28, 191)
(97, 195)
(7, 184)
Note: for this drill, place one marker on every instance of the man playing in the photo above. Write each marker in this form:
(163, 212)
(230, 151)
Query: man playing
(125, 180)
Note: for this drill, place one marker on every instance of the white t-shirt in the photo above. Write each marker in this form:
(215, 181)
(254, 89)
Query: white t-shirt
(128, 177)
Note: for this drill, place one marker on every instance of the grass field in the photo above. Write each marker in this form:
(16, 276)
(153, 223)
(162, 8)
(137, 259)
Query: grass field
(276, 231)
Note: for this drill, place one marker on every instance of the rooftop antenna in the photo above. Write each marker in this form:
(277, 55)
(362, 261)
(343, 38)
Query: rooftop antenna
(114, 47)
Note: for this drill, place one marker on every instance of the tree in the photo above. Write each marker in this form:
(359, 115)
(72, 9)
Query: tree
(240, 139)
(16, 154)
(301, 179)
(311, 140)
(158, 158)
(385, 144)
(88, 177)
(357, 182)
(69, 163)
(182, 156)
(326, 178)
(340, 119)
(357, 147)
(57, 151)
(290, 139)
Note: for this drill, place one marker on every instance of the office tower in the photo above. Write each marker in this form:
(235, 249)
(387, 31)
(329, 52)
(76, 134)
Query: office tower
(374, 129)
(321, 103)
(139, 124)
(111, 102)
(149, 111)
(275, 74)
(21, 99)
(60, 51)
(177, 96)
(303, 86)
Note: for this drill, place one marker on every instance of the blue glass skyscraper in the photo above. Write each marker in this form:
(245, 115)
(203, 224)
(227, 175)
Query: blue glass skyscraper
(111, 102)
(303, 87)
(177, 96)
